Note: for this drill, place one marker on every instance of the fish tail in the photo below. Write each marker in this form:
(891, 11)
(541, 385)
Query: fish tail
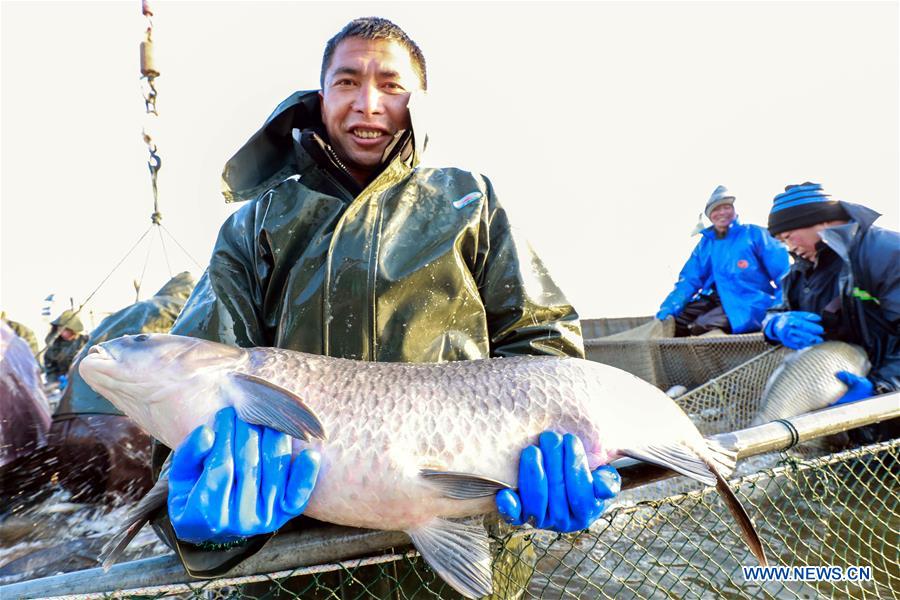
(139, 516)
(748, 530)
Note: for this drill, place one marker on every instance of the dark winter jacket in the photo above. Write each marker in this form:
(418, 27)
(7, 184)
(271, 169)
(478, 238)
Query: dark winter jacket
(868, 309)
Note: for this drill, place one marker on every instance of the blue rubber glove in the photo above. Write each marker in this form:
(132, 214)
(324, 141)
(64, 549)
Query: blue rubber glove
(236, 480)
(63, 382)
(556, 489)
(664, 313)
(858, 388)
(796, 329)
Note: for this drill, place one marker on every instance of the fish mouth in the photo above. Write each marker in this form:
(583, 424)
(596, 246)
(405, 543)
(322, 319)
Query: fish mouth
(99, 352)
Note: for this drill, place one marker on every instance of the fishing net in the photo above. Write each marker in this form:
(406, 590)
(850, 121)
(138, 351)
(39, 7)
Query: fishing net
(668, 361)
(730, 401)
(840, 510)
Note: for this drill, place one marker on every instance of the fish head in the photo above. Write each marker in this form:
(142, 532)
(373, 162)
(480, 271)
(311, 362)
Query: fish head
(155, 378)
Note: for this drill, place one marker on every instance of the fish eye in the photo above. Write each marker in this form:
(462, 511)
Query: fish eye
(141, 338)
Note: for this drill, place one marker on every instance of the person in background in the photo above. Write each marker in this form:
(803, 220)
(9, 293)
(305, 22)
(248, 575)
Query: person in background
(731, 278)
(64, 342)
(349, 249)
(23, 332)
(844, 285)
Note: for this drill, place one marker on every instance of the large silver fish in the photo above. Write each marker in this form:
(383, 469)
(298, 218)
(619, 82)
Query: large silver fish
(805, 381)
(406, 446)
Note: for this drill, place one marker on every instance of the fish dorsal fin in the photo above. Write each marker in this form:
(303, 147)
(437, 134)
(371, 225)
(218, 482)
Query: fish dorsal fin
(463, 486)
(261, 402)
(677, 457)
(458, 552)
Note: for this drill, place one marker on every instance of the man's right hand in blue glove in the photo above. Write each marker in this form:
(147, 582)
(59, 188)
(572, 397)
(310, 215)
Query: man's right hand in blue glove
(235, 480)
(796, 329)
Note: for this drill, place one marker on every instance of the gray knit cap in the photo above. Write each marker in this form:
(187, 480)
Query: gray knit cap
(720, 196)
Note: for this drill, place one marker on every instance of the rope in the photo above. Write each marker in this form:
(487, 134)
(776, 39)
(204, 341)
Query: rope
(162, 242)
(199, 266)
(97, 289)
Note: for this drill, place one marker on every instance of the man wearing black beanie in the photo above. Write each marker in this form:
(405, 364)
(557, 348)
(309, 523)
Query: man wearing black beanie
(844, 284)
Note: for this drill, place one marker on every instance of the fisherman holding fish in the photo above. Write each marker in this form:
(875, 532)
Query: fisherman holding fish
(731, 278)
(844, 284)
(347, 249)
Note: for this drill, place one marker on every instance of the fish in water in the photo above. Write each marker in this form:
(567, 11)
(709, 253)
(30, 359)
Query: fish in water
(805, 381)
(405, 446)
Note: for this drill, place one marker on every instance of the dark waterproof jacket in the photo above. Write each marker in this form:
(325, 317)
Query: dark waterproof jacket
(869, 291)
(420, 266)
(60, 353)
(746, 267)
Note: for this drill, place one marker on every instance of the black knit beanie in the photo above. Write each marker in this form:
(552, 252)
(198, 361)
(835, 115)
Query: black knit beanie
(802, 206)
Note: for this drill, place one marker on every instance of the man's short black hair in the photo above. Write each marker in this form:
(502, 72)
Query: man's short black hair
(375, 28)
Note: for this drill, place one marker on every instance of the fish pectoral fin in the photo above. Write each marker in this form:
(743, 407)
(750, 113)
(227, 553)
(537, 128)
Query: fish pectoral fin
(677, 457)
(462, 486)
(260, 402)
(141, 514)
(460, 553)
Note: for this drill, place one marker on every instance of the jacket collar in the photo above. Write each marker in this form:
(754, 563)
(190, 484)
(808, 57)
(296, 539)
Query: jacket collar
(273, 153)
(841, 238)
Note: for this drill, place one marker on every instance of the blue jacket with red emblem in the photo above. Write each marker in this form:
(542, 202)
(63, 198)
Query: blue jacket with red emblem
(745, 265)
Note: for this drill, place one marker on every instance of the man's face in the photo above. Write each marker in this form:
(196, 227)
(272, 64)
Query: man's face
(67, 334)
(366, 90)
(802, 242)
(722, 216)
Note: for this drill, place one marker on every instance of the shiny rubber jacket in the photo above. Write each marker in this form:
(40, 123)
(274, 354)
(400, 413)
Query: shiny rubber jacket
(420, 266)
(60, 353)
(746, 267)
(869, 289)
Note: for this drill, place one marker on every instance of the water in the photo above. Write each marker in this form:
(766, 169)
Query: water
(57, 536)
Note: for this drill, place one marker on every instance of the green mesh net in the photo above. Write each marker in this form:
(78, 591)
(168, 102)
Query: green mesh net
(839, 509)
(666, 362)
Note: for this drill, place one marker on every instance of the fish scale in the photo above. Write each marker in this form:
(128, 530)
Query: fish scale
(404, 446)
(452, 416)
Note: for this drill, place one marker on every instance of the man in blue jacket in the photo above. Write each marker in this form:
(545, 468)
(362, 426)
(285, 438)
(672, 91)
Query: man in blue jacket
(731, 278)
(844, 284)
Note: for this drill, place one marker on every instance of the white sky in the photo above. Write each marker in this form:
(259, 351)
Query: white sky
(604, 126)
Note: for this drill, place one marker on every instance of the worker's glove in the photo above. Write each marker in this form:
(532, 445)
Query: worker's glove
(234, 480)
(556, 489)
(665, 312)
(796, 329)
(858, 388)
